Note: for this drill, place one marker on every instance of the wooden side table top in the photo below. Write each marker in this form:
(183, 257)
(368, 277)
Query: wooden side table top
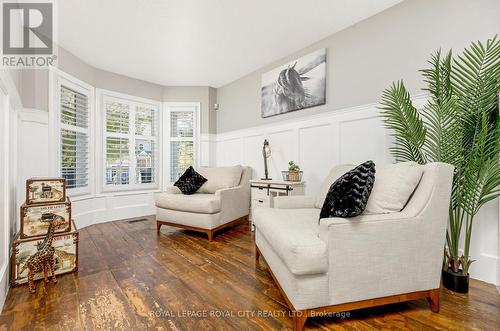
(276, 182)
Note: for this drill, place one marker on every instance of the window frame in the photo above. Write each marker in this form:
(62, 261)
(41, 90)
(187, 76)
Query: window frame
(170, 107)
(133, 101)
(58, 78)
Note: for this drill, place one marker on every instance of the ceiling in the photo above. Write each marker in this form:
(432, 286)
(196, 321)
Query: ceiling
(200, 42)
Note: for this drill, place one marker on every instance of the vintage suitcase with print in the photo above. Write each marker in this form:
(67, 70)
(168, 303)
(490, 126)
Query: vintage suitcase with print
(33, 218)
(65, 256)
(45, 190)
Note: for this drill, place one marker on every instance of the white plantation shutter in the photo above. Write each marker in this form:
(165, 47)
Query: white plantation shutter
(74, 152)
(182, 142)
(131, 143)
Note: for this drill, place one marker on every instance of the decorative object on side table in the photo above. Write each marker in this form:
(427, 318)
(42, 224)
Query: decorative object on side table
(293, 174)
(296, 85)
(266, 153)
(459, 126)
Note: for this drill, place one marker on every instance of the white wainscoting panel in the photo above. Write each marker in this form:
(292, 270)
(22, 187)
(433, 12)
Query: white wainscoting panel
(316, 157)
(252, 154)
(33, 148)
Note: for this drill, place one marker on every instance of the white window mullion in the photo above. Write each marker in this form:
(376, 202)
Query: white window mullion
(133, 160)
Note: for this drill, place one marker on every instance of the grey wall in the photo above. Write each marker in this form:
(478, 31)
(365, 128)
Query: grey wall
(203, 94)
(365, 58)
(33, 86)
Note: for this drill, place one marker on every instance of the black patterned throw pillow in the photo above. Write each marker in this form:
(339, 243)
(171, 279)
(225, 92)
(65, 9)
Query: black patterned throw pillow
(348, 195)
(190, 181)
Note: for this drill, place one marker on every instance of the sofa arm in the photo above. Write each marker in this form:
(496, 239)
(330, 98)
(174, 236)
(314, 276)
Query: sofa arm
(374, 256)
(294, 202)
(235, 202)
(171, 190)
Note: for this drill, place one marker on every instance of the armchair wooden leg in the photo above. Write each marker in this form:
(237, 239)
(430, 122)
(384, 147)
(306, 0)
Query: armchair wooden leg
(210, 235)
(434, 300)
(299, 320)
(158, 226)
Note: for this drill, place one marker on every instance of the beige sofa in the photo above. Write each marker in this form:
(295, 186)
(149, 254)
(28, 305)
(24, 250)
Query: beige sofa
(342, 264)
(221, 202)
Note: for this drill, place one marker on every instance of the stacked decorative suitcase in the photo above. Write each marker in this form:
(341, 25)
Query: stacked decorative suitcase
(45, 199)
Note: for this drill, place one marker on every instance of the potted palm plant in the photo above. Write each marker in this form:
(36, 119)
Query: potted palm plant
(459, 125)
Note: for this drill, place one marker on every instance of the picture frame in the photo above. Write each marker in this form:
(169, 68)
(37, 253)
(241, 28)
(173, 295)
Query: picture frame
(66, 255)
(33, 216)
(45, 190)
(296, 85)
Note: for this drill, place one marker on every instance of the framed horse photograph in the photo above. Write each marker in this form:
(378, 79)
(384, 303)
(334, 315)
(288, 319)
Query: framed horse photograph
(299, 84)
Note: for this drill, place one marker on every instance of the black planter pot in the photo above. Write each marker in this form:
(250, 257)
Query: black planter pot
(455, 281)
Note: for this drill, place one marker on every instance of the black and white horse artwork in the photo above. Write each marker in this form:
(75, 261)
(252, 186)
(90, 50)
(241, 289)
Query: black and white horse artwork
(296, 85)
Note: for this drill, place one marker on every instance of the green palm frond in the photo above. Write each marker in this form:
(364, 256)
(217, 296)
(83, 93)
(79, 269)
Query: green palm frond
(475, 79)
(399, 114)
(438, 78)
(444, 133)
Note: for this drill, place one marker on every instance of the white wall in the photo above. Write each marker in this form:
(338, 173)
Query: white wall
(347, 136)
(9, 104)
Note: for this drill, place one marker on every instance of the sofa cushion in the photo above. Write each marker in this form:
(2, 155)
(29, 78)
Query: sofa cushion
(334, 174)
(220, 178)
(393, 186)
(195, 203)
(190, 181)
(348, 195)
(293, 234)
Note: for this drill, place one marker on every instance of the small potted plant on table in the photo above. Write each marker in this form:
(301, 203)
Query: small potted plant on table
(293, 174)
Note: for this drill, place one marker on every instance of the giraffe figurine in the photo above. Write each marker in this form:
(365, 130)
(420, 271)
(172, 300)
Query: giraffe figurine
(43, 259)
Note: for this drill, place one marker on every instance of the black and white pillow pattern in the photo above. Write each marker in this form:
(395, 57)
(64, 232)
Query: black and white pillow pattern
(348, 195)
(190, 181)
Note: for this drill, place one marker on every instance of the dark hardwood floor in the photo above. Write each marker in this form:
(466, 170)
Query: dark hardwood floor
(130, 278)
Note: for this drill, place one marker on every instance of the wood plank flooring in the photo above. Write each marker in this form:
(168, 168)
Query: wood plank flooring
(130, 278)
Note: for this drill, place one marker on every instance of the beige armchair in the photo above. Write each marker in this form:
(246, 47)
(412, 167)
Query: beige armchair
(223, 201)
(341, 264)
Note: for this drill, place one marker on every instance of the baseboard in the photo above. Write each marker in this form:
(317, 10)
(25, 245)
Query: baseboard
(102, 215)
(485, 268)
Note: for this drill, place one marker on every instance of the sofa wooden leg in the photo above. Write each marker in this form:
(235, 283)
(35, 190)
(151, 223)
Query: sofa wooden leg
(158, 226)
(434, 300)
(210, 235)
(299, 320)
(257, 254)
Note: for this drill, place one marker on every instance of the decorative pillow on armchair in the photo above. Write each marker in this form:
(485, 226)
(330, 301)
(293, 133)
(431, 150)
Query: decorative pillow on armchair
(348, 195)
(393, 187)
(190, 181)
